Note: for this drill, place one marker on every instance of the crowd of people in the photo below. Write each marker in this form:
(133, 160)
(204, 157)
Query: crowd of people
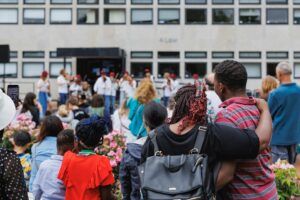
(62, 162)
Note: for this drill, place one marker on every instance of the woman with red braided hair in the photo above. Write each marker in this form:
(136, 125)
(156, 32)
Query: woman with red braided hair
(221, 142)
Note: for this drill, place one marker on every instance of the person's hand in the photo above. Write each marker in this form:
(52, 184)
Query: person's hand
(262, 105)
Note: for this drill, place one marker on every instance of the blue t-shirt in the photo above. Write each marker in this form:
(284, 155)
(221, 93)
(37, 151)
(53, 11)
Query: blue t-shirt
(284, 104)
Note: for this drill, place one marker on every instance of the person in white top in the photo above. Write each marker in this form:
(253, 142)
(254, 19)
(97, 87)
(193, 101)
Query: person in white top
(168, 87)
(213, 100)
(176, 85)
(43, 86)
(62, 83)
(114, 88)
(75, 87)
(122, 84)
(103, 87)
(130, 87)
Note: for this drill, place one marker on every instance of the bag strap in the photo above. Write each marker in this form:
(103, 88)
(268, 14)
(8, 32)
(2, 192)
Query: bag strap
(200, 139)
(152, 136)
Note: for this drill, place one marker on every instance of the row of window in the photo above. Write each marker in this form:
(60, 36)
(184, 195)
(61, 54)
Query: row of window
(145, 16)
(148, 1)
(176, 54)
(34, 69)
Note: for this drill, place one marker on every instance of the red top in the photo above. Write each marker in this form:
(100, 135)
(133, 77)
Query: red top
(253, 179)
(83, 175)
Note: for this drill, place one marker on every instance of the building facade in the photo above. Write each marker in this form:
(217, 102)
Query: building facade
(179, 36)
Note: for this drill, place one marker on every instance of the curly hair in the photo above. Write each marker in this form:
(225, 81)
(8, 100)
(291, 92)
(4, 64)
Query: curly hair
(189, 108)
(145, 92)
(269, 83)
(232, 74)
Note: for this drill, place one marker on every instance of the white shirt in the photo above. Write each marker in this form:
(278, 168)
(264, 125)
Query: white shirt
(103, 88)
(62, 84)
(168, 88)
(121, 123)
(43, 85)
(213, 103)
(176, 87)
(114, 88)
(75, 89)
(122, 84)
(129, 89)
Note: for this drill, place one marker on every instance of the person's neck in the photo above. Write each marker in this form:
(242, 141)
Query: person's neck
(174, 128)
(232, 94)
(285, 80)
(19, 150)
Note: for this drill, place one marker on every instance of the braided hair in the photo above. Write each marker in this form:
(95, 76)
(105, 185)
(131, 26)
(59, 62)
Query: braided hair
(189, 108)
(90, 131)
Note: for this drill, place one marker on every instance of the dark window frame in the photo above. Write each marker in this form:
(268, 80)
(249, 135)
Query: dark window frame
(213, 3)
(159, 57)
(61, 23)
(96, 3)
(107, 3)
(286, 3)
(173, 63)
(13, 52)
(24, 54)
(190, 77)
(106, 23)
(277, 58)
(5, 23)
(294, 70)
(245, 57)
(217, 23)
(97, 16)
(296, 52)
(178, 9)
(250, 3)
(254, 77)
(132, 9)
(214, 57)
(294, 15)
(51, 2)
(186, 3)
(24, 2)
(277, 23)
(57, 62)
(202, 23)
(260, 21)
(132, 57)
(142, 3)
(146, 62)
(168, 3)
(15, 76)
(44, 22)
(8, 3)
(30, 62)
(186, 57)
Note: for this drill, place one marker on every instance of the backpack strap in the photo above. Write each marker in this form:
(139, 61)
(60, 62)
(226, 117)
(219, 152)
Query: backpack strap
(200, 139)
(152, 136)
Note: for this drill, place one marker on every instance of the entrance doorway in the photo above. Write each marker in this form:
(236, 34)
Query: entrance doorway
(90, 68)
(271, 69)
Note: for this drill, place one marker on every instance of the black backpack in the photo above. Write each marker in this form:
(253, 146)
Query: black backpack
(178, 177)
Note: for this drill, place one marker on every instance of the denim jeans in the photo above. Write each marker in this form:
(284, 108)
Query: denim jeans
(62, 98)
(166, 101)
(107, 102)
(287, 152)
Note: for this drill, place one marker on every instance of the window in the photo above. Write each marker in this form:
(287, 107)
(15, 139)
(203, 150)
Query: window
(33, 16)
(253, 69)
(9, 1)
(250, 16)
(32, 69)
(297, 54)
(195, 1)
(141, 16)
(222, 55)
(168, 1)
(277, 1)
(87, 16)
(60, 16)
(277, 16)
(115, 1)
(195, 16)
(296, 16)
(195, 68)
(61, 1)
(250, 55)
(168, 54)
(13, 54)
(271, 69)
(141, 1)
(114, 16)
(296, 70)
(249, 1)
(88, 1)
(137, 69)
(222, 1)
(296, 1)
(141, 54)
(33, 54)
(8, 16)
(34, 1)
(195, 54)
(55, 67)
(53, 54)
(223, 16)
(168, 16)
(11, 70)
(168, 67)
(277, 55)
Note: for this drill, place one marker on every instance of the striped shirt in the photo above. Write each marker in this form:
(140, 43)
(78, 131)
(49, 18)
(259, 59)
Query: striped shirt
(253, 179)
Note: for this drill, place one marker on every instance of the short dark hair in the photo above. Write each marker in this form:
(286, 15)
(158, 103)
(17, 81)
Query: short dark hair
(154, 115)
(232, 74)
(73, 101)
(65, 140)
(21, 138)
(51, 126)
(97, 101)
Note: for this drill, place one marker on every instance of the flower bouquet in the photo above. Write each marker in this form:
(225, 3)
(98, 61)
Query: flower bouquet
(287, 182)
(113, 146)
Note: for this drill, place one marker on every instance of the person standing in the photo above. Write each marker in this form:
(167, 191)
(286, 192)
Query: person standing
(130, 87)
(103, 87)
(114, 88)
(75, 87)
(269, 83)
(43, 86)
(168, 86)
(176, 84)
(62, 83)
(122, 84)
(284, 107)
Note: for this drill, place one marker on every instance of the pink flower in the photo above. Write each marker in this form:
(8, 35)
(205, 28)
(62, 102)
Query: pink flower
(113, 144)
(113, 163)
